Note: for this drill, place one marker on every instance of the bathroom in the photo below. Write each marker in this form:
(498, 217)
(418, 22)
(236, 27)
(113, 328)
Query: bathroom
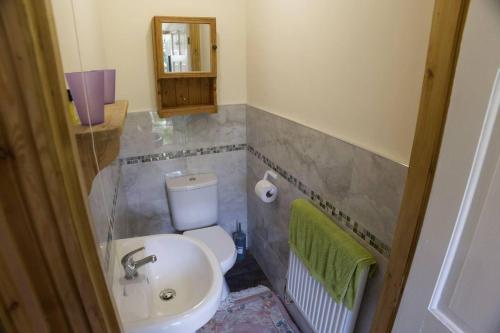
(247, 139)
(283, 108)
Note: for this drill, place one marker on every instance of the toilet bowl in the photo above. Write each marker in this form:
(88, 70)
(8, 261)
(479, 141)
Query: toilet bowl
(193, 204)
(221, 244)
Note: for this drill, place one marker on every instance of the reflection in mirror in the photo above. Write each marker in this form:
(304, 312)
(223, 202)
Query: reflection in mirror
(186, 47)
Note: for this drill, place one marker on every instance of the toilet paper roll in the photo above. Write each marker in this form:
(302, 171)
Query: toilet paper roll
(266, 190)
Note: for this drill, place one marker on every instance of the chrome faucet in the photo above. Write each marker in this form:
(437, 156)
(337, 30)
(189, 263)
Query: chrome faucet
(130, 266)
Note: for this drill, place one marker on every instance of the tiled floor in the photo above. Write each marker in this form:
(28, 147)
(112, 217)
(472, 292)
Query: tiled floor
(246, 274)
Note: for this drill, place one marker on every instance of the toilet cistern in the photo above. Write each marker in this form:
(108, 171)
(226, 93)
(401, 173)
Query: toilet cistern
(194, 206)
(130, 266)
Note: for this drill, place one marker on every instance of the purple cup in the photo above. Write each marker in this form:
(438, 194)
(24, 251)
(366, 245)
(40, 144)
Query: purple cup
(87, 89)
(109, 86)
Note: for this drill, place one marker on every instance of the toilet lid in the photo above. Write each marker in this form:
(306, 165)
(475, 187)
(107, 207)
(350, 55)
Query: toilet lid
(218, 240)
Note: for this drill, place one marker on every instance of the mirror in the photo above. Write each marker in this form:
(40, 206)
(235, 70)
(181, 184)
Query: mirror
(186, 47)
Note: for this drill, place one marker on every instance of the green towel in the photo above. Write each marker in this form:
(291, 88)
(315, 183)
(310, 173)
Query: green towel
(332, 256)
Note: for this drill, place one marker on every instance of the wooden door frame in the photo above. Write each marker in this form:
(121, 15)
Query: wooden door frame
(51, 278)
(444, 45)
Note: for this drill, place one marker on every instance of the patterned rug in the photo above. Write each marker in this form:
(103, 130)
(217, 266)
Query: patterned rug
(254, 310)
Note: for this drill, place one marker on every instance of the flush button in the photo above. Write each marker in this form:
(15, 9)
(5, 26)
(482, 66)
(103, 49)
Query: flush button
(192, 179)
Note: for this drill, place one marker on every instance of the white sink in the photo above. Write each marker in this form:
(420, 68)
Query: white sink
(183, 264)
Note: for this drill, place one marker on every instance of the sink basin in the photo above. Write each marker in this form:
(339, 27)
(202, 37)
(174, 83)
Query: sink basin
(178, 293)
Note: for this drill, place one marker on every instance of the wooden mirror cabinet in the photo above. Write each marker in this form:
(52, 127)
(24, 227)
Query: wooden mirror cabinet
(185, 58)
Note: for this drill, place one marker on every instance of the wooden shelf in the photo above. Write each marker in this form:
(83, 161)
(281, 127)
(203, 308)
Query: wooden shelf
(106, 140)
(114, 118)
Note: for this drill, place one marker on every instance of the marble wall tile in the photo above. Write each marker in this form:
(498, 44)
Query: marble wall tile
(146, 133)
(120, 229)
(322, 162)
(375, 193)
(103, 199)
(268, 232)
(366, 186)
(230, 168)
(130, 200)
(147, 206)
(227, 126)
(268, 222)
(147, 211)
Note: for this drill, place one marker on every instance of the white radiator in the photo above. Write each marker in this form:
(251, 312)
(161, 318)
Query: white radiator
(320, 310)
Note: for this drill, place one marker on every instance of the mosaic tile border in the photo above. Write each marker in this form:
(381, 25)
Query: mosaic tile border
(183, 153)
(326, 206)
(112, 220)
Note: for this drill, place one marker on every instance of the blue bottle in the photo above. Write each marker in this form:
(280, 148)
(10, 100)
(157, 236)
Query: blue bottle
(240, 240)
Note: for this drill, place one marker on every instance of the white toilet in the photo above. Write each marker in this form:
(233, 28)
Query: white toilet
(194, 209)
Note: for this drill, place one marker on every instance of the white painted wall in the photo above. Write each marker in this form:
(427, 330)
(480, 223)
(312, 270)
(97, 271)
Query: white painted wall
(351, 69)
(129, 48)
(87, 28)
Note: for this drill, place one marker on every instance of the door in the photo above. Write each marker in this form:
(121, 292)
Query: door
(454, 281)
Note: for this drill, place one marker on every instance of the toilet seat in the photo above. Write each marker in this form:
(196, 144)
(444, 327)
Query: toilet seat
(218, 240)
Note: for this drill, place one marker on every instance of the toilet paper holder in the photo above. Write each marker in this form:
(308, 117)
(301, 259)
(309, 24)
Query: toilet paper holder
(264, 189)
(270, 173)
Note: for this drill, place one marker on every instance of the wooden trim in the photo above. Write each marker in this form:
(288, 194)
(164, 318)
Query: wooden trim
(195, 47)
(186, 19)
(156, 60)
(180, 75)
(444, 45)
(157, 49)
(51, 280)
(213, 38)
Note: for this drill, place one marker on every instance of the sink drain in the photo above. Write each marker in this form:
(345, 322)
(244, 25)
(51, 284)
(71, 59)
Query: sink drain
(167, 294)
